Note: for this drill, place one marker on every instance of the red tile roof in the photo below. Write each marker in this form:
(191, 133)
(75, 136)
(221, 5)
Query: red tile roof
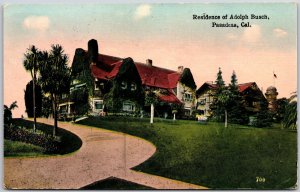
(109, 73)
(157, 77)
(169, 97)
(210, 85)
(108, 67)
(244, 86)
(152, 76)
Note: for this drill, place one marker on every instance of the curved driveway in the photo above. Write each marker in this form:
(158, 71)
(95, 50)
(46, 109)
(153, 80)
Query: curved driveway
(103, 154)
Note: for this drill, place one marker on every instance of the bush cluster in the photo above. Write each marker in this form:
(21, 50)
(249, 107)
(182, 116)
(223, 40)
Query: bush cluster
(48, 143)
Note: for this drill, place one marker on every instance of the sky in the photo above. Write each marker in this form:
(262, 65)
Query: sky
(165, 33)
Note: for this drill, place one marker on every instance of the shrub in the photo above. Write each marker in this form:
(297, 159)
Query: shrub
(47, 142)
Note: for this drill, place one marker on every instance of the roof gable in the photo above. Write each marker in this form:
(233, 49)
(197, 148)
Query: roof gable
(108, 67)
(157, 77)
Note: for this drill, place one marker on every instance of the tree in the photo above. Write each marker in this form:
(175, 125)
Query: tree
(55, 77)
(223, 101)
(220, 82)
(263, 116)
(8, 113)
(220, 99)
(151, 99)
(281, 108)
(236, 111)
(31, 64)
(290, 117)
(29, 99)
(81, 99)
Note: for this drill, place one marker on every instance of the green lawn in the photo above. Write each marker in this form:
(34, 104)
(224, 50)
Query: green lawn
(211, 155)
(17, 149)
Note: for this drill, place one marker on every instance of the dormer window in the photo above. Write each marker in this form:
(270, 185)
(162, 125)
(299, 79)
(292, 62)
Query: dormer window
(133, 87)
(123, 85)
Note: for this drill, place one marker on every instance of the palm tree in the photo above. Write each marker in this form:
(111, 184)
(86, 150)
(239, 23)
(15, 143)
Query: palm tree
(55, 76)
(8, 113)
(290, 116)
(30, 64)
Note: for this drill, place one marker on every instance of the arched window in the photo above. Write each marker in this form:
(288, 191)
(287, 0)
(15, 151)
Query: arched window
(133, 87)
(123, 85)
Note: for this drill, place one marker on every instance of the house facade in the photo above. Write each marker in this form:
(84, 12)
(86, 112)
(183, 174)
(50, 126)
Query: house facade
(252, 97)
(119, 85)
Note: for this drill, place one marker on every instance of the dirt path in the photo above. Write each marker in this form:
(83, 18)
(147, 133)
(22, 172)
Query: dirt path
(103, 154)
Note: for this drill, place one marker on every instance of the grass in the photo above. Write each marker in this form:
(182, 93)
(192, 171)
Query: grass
(69, 142)
(113, 183)
(211, 155)
(17, 149)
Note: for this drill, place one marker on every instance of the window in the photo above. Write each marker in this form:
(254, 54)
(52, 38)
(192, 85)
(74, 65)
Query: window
(98, 104)
(202, 101)
(123, 85)
(96, 86)
(133, 86)
(128, 106)
(63, 109)
(188, 97)
(63, 96)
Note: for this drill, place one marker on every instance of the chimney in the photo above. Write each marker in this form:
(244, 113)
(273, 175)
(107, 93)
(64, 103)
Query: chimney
(149, 62)
(93, 50)
(180, 69)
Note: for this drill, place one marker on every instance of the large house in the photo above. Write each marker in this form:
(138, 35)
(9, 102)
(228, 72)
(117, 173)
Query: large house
(251, 94)
(110, 77)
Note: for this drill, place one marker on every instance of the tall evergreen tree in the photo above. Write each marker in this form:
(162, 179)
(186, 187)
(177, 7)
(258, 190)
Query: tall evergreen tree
(236, 111)
(220, 99)
(220, 82)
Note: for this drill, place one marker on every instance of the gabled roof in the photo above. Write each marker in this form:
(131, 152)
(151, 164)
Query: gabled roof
(210, 85)
(109, 73)
(206, 85)
(108, 67)
(157, 77)
(244, 86)
(168, 97)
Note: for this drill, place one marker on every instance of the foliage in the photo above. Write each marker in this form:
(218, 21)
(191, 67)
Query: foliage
(220, 82)
(67, 143)
(55, 76)
(236, 112)
(281, 108)
(187, 79)
(151, 98)
(81, 99)
(290, 117)
(46, 106)
(226, 158)
(39, 139)
(263, 117)
(29, 99)
(7, 112)
(81, 70)
(32, 61)
(122, 87)
(220, 101)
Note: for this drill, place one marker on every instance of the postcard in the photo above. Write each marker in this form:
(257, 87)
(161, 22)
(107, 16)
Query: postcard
(150, 96)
